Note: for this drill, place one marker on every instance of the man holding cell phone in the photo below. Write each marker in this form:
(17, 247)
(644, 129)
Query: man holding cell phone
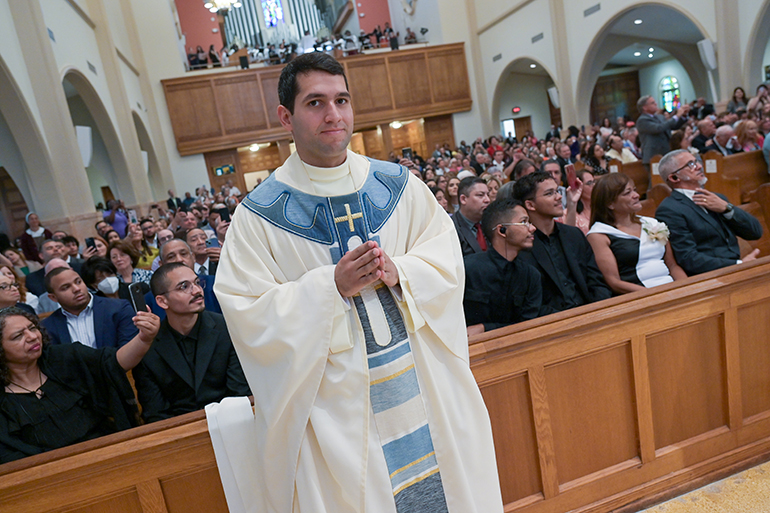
(205, 250)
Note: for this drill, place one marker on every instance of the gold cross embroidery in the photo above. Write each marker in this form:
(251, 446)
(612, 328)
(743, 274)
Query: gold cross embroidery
(348, 217)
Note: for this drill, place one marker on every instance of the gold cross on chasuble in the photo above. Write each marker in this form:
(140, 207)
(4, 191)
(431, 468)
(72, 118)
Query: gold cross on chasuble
(348, 217)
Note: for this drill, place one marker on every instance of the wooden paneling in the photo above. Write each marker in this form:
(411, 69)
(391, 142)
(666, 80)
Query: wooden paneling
(236, 108)
(753, 326)
(238, 112)
(413, 88)
(369, 85)
(438, 130)
(615, 95)
(217, 159)
(265, 158)
(592, 400)
(689, 394)
(578, 402)
(516, 445)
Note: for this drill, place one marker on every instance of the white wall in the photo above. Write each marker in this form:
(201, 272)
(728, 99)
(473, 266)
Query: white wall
(765, 62)
(528, 92)
(117, 28)
(748, 13)
(650, 77)
(12, 161)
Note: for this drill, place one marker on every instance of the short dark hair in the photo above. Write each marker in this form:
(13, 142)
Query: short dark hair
(94, 264)
(314, 61)
(68, 239)
(466, 184)
(100, 221)
(496, 213)
(526, 187)
(146, 220)
(159, 280)
(53, 274)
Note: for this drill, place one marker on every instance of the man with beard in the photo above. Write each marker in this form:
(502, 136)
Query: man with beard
(192, 361)
(703, 225)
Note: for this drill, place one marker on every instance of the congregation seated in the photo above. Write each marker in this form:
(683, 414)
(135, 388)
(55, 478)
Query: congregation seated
(125, 257)
(21, 264)
(84, 317)
(192, 362)
(560, 252)
(101, 278)
(49, 250)
(474, 198)
(499, 289)
(632, 252)
(58, 395)
(704, 226)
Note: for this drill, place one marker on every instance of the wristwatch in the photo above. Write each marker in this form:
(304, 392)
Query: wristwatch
(728, 209)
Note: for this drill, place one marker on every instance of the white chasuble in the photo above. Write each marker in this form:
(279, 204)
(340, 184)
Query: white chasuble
(327, 372)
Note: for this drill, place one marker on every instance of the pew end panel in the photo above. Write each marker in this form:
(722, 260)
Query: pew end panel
(749, 168)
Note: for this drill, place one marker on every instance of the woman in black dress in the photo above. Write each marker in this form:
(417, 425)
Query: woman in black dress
(58, 395)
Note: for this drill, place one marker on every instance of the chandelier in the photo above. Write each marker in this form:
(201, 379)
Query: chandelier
(221, 6)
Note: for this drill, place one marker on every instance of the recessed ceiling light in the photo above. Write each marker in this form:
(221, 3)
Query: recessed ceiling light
(208, 5)
(254, 147)
(652, 49)
(650, 56)
(637, 22)
(637, 54)
(396, 125)
(533, 66)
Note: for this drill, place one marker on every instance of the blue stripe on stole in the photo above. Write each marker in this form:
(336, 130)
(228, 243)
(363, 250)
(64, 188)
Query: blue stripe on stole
(415, 470)
(395, 391)
(407, 449)
(379, 359)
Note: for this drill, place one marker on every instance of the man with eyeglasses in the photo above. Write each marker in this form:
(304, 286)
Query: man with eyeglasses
(192, 361)
(561, 253)
(499, 289)
(703, 226)
(177, 251)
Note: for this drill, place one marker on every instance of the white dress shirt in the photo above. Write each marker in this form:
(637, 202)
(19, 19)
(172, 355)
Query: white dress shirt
(81, 326)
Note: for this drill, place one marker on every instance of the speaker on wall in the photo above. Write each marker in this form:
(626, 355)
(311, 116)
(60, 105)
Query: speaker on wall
(553, 93)
(707, 55)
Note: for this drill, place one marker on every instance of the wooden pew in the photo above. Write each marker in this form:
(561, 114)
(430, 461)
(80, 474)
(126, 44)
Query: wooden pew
(631, 399)
(749, 169)
(637, 172)
(605, 407)
(759, 207)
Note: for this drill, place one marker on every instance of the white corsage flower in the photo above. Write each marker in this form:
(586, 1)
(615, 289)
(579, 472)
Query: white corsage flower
(655, 230)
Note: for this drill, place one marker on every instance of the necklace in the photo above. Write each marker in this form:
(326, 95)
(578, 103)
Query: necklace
(38, 393)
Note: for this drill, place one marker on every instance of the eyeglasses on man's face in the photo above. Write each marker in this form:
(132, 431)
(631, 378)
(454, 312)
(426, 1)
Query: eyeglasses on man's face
(188, 287)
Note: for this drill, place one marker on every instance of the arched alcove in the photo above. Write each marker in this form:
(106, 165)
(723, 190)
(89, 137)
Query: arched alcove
(665, 27)
(24, 155)
(759, 40)
(108, 167)
(524, 86)
(153, 167)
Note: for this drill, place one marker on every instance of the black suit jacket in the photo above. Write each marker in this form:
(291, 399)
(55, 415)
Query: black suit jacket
(581, 263)
(468, 241)
(164, 380)
(654, 133)
(35, 282)
(704, 241)
(173, 203)
(113, 325)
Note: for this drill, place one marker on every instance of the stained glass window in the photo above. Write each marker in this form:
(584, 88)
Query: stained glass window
(669, 92)
(273, 12)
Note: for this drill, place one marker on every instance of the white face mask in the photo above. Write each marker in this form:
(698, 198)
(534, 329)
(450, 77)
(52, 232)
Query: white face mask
(109, 285)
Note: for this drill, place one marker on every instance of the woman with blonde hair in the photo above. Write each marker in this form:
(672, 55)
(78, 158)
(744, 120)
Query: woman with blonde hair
(748, 136)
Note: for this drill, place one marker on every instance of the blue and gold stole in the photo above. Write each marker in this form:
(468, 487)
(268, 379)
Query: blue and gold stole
(343, 223)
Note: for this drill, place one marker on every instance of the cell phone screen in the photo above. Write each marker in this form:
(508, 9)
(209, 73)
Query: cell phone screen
(571, 176)
(224, 215)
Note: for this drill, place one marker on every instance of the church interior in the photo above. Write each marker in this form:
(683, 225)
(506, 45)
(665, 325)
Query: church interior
(613, 406)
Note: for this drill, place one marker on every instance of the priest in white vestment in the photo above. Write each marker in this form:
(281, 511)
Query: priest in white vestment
(341, 280)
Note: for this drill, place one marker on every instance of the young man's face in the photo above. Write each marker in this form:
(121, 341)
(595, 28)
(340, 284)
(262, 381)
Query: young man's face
(519, 236)
(322, 123)
(547, 201)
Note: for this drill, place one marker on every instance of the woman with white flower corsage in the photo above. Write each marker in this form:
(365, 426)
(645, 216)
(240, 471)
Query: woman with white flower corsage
(632, 252)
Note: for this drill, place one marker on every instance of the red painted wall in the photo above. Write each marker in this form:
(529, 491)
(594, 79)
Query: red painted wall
(197, 25)
(375, 13)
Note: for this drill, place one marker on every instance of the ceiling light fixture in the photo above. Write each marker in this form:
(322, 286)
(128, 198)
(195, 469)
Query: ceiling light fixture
(533, 66)
(637, 22)
(254, 147)
(650, 56)
(637, 54)
(652, 49)
(221, 6)
(396, 125)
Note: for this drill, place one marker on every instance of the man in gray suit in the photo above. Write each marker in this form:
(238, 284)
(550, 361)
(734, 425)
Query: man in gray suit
(655, 129)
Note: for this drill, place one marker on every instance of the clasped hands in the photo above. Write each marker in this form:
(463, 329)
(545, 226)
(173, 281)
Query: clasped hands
(363, 266)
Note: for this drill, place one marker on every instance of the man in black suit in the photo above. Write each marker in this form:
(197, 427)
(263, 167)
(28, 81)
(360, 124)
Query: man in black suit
(173, 202)
(703, 226)
(192, 361)
(723, 141)
(706, 130)
(563, 156)
(560, 253)
(206, 258)
(654, 129)
(91, 320)
(473, 195)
